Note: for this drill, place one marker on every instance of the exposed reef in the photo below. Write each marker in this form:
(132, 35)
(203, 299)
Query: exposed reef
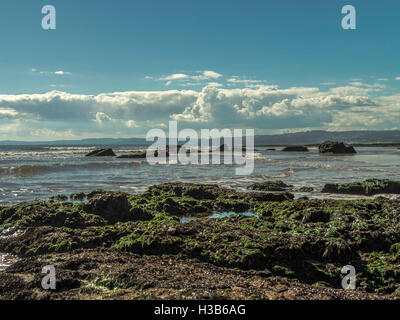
(122, 246)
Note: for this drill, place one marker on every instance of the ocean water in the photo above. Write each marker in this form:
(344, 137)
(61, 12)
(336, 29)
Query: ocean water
(29, 172)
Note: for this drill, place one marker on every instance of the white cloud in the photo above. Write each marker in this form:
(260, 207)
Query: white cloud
(246, 82)
(175, 76)
(376, 86)
(61, 73)
(132, 113)
(206, 75)
(101, 117)
(182, 78)
(58, 72)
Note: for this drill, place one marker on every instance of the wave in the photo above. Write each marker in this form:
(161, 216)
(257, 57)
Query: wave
(30, 170)
(284, 174)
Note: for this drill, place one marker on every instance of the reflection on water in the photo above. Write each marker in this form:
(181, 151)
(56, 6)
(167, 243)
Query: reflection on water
(220, 215)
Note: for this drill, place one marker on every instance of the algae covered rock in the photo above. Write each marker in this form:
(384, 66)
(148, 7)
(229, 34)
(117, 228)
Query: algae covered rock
(269, 186)
(314, 215)
(267, 196)
(77, 196)
(114, 207)
(306, 189)
(368, 187)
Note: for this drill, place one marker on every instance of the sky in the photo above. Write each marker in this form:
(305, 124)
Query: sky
(120, 68)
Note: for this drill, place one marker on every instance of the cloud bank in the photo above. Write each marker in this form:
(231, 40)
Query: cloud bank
(266, 108)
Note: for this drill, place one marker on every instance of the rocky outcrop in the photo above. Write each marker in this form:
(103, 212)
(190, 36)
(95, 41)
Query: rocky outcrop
(101, 153)
(269, 186)
(330, 147)
(306, 189)
(114, 207)
(368, 187)
(295, 148)
(135, 155)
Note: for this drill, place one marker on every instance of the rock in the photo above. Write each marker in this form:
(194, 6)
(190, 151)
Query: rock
(59, 197)
(330, 147)
(114, 207)
(337, 251)
(295, 148)
(314, 215)
(101, 153)
(135, 155)
(264, 196)
(368, 187)
(77, 196)
(269, 186)
(172, 207)
(245, 149)
(306, 189)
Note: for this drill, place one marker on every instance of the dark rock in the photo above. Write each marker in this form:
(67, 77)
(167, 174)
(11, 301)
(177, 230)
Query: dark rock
(295, 148)
(337, 251)
(172, 207)
(330, 147)
(269, 186)
(264, 196)
(77, 196)
(314, 215)
(101, 153)
(136, 155)
(59, 197)
(114, 207)
(198, 192)
(368, 187)
(306, 189)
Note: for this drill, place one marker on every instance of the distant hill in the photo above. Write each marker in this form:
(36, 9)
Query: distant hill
(309, 137)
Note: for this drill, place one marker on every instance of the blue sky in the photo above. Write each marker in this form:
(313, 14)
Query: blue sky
(205, 63)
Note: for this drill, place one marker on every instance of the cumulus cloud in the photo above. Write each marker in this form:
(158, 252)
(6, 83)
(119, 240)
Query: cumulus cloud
(376, 86)
(198, 76)
(206, 75)
(133, 113)
(175, 76)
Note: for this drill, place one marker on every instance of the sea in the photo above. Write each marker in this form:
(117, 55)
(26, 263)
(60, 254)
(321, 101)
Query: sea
(30, 172)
